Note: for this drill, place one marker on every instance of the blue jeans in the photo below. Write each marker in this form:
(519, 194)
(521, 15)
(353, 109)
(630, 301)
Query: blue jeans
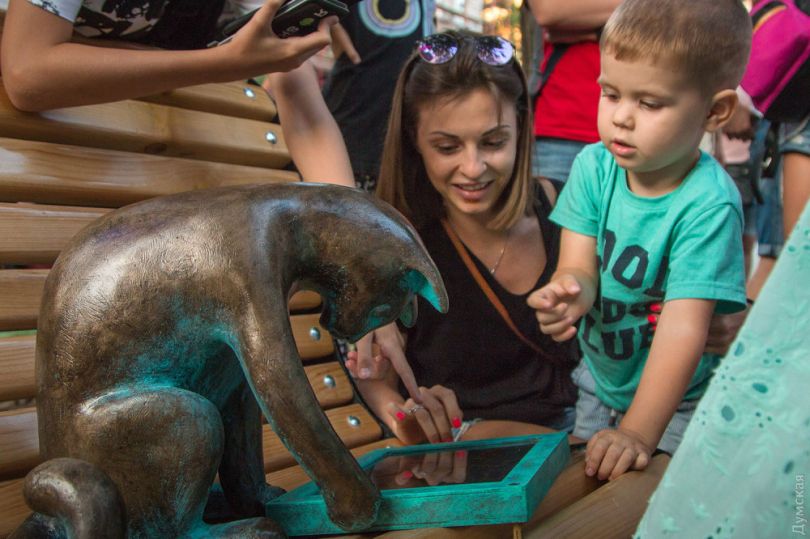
(553, 157)
(793, 137)
(770, 235)
(593, 415)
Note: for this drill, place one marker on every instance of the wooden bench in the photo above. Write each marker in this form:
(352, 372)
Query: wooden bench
(62, 169)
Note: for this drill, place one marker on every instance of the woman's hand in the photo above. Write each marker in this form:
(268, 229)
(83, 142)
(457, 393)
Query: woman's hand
(431, 421)
(377, 352)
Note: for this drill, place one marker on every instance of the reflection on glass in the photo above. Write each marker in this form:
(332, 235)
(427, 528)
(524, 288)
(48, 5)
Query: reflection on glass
(429, 468)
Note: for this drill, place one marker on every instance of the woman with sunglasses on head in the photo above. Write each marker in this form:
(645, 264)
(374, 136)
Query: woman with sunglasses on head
(456, 162)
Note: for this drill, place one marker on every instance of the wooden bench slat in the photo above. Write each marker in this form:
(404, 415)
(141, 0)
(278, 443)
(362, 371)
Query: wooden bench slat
(612, 510)
(17, 366)
(277, 457)
(35, 233)
(312, 339)
(19, 443)
(13, 509)
(141, 127)
(237, 99)
(21, 292)
(329, 382)
(73, 175)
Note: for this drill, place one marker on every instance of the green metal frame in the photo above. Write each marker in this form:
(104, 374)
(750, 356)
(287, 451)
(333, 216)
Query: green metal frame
(511, 500)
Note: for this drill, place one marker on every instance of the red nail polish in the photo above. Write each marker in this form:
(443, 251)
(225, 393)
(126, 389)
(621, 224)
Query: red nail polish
(400, 416)
(655, 307)
(407, 474)
(461, 453)
(456, 422)
(446, 440)
(652, 319)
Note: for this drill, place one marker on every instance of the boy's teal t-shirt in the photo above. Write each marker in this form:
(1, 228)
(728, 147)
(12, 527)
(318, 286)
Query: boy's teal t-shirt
(686, 244)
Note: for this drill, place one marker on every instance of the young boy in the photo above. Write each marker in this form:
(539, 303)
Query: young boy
(649, 219)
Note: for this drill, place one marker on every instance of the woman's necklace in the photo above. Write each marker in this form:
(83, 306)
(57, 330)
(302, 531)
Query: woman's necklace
(494, 268)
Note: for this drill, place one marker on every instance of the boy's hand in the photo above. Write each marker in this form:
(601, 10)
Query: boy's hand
(557, 307)
(611, 452)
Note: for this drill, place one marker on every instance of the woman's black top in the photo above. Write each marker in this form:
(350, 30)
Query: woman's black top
(471, 349)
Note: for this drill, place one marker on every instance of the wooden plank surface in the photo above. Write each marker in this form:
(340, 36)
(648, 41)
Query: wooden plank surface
(367, 430)
(19, 443)
(140, 127)
(237, 99)
(17, 367)
(21, 292)
(613, 510)
(51, 173)
(12, 506)
(312, 339)
(36, 233)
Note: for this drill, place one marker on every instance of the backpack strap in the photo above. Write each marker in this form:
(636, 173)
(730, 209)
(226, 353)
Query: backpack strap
(543, 75)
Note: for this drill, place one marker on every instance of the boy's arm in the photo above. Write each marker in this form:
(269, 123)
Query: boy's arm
(676, 350)
(43, 69)
(310, 131)
(572, 289)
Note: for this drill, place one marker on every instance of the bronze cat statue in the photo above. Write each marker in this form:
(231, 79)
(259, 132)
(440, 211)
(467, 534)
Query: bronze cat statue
(166, 322)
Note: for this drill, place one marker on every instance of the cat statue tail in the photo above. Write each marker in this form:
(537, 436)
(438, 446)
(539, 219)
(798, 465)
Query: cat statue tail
(71, 498)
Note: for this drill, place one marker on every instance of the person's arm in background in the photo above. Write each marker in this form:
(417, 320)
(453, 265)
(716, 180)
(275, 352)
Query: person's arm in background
(795, 187)
(310, 131)
(577, 15)
(43, 69)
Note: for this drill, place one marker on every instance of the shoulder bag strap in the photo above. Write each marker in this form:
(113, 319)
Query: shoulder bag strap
(488, 292)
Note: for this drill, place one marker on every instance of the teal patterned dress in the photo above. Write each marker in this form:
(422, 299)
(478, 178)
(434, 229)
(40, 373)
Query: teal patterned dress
(742, 467)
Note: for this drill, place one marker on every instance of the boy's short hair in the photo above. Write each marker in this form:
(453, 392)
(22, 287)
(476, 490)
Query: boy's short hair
(709, 39)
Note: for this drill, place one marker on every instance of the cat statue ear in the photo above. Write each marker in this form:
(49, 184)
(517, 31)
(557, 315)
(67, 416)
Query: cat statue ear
(430, 287)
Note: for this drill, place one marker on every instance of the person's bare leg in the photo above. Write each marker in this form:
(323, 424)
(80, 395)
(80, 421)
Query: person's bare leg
(760, 275)
(795, 187)
(748, 249)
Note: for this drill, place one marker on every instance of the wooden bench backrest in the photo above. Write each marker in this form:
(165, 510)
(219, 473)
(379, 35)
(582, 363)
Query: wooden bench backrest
(62, 169)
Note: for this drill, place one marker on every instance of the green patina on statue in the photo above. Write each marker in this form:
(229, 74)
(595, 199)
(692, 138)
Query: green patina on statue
(164, 335)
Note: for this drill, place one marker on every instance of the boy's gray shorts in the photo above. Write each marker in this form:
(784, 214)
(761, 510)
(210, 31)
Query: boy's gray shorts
(593, 415)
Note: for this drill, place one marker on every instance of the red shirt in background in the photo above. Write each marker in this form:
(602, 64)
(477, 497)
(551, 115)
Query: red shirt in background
(567, 106)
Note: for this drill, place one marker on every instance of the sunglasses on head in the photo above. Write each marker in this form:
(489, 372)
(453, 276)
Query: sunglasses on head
(441, 48)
